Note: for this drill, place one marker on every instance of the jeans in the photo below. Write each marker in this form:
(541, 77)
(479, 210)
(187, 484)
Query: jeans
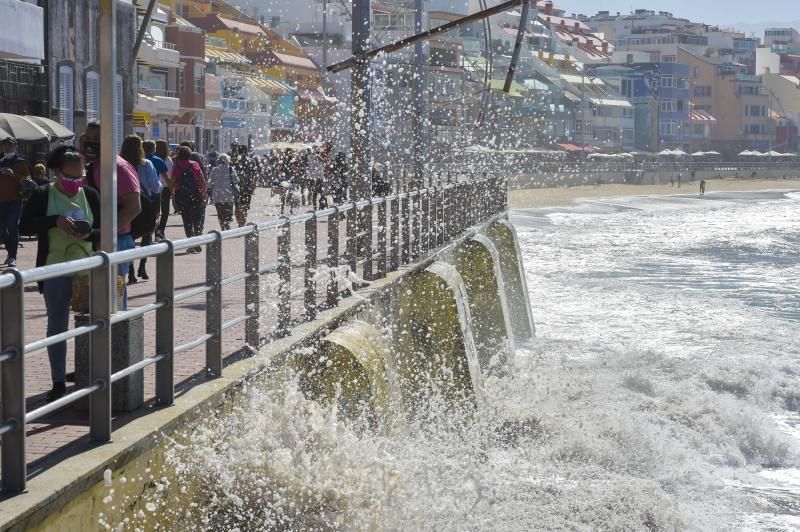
(57, 297)
(224, 215)
(166, 198)
(9, 226)
(192, 213)
(124, 242)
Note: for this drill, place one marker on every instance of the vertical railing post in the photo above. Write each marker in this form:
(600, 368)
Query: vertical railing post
(214, 306)
(12, 385)
(285, 278)
(351, 219)
(252, 289)
(405, 224)
(333, 257)
(165, 326)
(101, 294)
(380, 272)
(426, 220)
(416, 222)
(310, 269)
(394, 234)
(366, 240)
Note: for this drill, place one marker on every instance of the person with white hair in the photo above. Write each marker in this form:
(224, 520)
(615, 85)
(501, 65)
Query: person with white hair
(222, 183)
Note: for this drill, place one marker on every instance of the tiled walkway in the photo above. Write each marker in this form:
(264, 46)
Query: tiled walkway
(51, 438)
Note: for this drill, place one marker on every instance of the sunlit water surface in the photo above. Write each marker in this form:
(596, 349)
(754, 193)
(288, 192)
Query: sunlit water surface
(661, 393)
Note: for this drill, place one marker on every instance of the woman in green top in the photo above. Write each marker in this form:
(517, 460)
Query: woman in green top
(65, 216)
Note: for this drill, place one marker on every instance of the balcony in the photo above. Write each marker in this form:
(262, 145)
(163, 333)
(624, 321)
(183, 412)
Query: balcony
(748, 77)
(159, 54)
(282, 122)
(158, 101)
(24, 38)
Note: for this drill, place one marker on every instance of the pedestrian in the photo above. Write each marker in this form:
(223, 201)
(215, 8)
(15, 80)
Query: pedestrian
(246, 170)
(316, 179)
(679, 180)
(222, 182)
(340, 179)
(65, 216)
(702, 187)
(380, 187)
(212, 157)
(288, 178)
(132, 150)
(40, 174)
(200, 160)
(672, 181)
(128, 189)
(189, 191)
(13, 173)
(162, 151)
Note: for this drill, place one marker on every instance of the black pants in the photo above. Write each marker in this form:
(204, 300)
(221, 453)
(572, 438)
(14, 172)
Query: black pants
(224, 214)
(192, 213)
(166, 197)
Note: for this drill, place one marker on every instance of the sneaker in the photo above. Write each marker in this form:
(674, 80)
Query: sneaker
(132, 279)
(58, 391)
(159, 236)
(10, 263)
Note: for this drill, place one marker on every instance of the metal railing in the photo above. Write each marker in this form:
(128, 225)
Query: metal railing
(381, 234)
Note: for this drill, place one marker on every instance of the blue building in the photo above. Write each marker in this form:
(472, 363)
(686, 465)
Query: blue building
(659, 93)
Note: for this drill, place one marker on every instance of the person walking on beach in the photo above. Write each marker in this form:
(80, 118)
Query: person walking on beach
(702, 187)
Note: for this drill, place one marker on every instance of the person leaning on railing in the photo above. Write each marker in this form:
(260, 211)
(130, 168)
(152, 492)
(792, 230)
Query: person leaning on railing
(65, 216)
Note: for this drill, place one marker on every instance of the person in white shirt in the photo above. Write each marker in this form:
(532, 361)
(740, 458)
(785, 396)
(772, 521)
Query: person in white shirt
(222, 182)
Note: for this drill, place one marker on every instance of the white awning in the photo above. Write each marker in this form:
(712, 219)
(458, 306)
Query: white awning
(610, 103)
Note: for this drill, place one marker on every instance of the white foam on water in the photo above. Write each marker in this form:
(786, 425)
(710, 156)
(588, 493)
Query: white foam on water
(660, 394)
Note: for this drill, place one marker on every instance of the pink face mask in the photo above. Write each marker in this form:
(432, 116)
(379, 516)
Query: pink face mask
(70, 186)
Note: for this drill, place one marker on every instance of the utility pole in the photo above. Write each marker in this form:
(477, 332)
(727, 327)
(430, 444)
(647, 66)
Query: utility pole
(361, 96)
(325, 108)
(418, 127)
(107, 57)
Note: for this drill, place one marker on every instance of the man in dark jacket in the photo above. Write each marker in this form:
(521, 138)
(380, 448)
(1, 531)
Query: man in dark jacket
(13, 172)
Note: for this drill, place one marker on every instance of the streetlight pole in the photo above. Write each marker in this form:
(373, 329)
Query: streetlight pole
(325, 109)
(107, 57)
(417, 134)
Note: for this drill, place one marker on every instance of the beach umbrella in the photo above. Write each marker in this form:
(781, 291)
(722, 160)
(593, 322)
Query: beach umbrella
(679, 153)
(698, 154)
(755, 153)
(712, 153)
(56, 130)
(666, 152)
(23, 130)
(745, 153)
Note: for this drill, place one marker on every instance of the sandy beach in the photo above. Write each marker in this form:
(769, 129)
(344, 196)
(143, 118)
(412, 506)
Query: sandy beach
(552, 197)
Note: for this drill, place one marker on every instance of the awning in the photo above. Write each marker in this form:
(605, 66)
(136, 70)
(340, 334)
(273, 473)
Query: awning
(141, 120)
(573, 148)
(610, 102)
(271, 86)
(516, 90)
(215, 54)
(699, 116)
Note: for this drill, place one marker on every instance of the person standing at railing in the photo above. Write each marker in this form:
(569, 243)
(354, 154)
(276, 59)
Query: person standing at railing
(65, 215)
(128, 202)
(162, 151)
(222, 182)
(189, 191)
(133, 152)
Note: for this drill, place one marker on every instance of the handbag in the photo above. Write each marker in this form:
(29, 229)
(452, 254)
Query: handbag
(79, 303)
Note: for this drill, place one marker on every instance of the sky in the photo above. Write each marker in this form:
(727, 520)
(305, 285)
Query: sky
(718, 12)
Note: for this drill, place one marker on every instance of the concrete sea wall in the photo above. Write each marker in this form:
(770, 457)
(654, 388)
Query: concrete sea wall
(433, 328)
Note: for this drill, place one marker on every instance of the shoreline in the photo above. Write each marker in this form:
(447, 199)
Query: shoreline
(531, 198)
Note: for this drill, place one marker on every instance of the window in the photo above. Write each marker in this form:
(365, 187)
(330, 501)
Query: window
(92, 96)
(119, 105)
(680, 106)
(755, 129)
(696, 72)
(627, 112)
(754, 110)
(668, 81)
(199, 80)
(66, 102)
(181, 80)
(667, 106)
(702, 91)
(668, 128)
(668, 59)
(627, 87)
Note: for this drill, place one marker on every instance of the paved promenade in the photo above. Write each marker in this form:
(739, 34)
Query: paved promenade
(51, 438)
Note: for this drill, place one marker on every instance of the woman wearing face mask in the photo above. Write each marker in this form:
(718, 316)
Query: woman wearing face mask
(66, 217)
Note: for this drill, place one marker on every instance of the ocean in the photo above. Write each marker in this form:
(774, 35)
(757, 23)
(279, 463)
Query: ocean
(662, 392)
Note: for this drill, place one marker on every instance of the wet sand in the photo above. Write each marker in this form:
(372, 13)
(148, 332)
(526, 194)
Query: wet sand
(552, 197)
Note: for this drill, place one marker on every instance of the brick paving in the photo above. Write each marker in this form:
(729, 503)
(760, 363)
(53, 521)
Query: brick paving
(66, 431)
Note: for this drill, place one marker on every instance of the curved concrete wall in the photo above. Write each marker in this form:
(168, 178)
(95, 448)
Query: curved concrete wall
(504, 236)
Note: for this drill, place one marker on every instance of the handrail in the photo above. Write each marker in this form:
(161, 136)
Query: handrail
(400, 215)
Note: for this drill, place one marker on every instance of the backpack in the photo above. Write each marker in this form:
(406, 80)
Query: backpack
(187, 185)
